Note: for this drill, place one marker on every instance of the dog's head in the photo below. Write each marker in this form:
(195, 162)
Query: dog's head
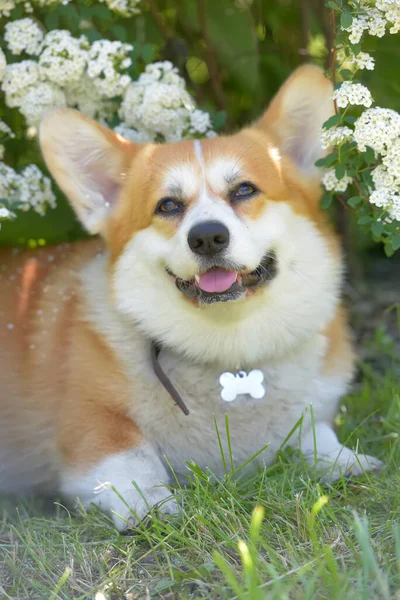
(218, 247)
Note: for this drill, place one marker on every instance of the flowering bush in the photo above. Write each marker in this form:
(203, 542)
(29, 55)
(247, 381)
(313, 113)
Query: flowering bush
(365, 156)
(114, 60)
(46, 69)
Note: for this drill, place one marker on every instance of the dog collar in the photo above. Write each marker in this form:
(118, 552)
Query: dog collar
(164, 379)
(232, 384)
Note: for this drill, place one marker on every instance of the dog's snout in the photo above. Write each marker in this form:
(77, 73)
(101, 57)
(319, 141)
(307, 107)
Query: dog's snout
(208, 237)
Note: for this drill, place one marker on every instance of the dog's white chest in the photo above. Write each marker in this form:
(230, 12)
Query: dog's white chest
(260, 409)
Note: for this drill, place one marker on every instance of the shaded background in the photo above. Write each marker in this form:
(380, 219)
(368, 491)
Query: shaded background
(233, 55)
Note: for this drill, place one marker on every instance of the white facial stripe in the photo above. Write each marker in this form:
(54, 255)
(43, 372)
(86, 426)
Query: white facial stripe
(198, 151)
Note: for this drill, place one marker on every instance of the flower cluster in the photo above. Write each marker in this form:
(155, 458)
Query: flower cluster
(332, 183)
(29, 189)
(3, 64)
(374, 19)
(122, 8)
(6, 6)
(68, 72)
(335, 136)
(363, 60)
(377, 128)
(105, 61)
(365, 151)
(23, 35)
(5, 132)
(352, 93)
(157, 106)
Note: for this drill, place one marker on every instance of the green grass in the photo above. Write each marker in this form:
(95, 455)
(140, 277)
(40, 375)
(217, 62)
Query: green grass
(303, 541)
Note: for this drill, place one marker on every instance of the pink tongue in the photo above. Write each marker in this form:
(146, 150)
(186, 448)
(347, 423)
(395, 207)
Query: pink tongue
(217, 280)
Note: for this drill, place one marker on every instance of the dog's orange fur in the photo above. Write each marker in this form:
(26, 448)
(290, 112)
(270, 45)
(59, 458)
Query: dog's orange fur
(62, 364)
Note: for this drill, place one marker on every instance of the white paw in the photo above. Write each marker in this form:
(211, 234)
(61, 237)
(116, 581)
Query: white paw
(346, 463)
(129, 509)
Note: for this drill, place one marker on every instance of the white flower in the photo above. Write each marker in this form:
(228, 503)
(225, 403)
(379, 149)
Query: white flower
(352, 93)
(64, 58)
(132, 135)
(199, 121)
(30, 189)
(392, 161)
(39, 99)
(18, 77)
(388, 200)
(382, 179)
(3, 64)
(124, 8)
(106, 60)
(85, 96)
(332, 183)
(9, 183)
(6, 6)
(357, 28)
(393, 16)
(35, 190)
(377, 128)
(376, 23)
(159, 106)
(5, 130)
(23, 35)
(363, 60)
(5, 213)
(335, 136)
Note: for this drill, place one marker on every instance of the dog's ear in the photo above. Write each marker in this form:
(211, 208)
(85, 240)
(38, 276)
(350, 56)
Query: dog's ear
(88, 161)
(295, 116)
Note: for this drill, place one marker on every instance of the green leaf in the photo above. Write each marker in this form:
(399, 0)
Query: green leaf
(369, 155)
(346, 73)
(377, 228)
(333, 5)
(354, 201)
(326, 201)
(119, 32)
(395, 242)
(346, 20)
(340, 171)
(51, 20)
(332, 121)
(148, 53)
(389, 250)
(365, 220)
(350, 120)
(327, 160)
(356, 49)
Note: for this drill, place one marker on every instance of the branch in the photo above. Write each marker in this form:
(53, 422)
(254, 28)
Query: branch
(158, 19)
(210, 58)
(333, 54)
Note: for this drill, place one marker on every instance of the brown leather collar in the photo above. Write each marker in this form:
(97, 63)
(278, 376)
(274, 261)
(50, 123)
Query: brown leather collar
(164, 379)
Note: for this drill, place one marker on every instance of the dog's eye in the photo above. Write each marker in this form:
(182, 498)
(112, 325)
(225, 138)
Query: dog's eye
(168, 206)
(244, 190)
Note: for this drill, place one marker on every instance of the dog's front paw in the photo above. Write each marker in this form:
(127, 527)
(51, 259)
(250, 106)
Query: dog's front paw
(128, 509)
(346, 464)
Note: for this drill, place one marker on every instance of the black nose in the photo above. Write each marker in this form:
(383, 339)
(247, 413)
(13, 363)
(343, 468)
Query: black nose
(209, 237)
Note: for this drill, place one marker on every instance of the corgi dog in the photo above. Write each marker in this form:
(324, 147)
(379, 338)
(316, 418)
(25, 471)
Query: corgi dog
(212, 289)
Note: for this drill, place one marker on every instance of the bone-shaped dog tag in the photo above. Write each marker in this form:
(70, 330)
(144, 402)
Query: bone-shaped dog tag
(242, 383)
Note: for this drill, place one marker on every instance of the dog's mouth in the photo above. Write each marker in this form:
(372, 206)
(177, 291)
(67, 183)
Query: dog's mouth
(222, 285)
